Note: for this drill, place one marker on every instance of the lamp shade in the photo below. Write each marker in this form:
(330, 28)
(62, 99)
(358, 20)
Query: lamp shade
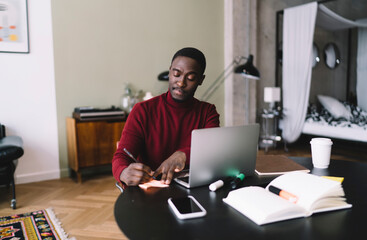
(271, 94)
(248, 69)
(163, 76)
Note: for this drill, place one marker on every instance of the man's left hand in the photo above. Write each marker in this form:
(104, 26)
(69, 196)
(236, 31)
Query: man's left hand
(175, 163)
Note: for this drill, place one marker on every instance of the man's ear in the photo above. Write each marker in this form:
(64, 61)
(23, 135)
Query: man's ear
(202, 79)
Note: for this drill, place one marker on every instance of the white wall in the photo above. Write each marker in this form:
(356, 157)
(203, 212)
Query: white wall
(85, 64)
(99, 46)
(28, 101)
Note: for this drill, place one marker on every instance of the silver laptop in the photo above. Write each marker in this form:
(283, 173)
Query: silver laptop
(220, 152)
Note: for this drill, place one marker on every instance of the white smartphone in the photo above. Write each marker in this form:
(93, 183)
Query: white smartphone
(186, 207)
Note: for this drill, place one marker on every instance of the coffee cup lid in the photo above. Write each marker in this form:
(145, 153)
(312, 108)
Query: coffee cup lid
(323, 141)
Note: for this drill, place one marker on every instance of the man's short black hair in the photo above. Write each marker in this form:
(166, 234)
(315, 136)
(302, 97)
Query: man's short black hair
(192, 53)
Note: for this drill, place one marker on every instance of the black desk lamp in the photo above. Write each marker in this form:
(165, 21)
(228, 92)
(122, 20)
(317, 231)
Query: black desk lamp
(163, 76)
(247, 70)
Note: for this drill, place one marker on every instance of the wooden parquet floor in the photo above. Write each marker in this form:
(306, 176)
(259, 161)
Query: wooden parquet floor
(85, 210)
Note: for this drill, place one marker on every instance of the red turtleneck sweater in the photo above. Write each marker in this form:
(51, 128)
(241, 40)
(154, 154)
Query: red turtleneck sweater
(158, 127)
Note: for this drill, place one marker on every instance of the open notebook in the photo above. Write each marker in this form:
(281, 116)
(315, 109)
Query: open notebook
(292, 195)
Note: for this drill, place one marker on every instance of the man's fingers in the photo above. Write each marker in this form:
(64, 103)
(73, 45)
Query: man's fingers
(139, 173)
(141, 167)
(179, 168)
(169, 177)
(132, 181)
(146, 178)
(163, 178)
(157, 172)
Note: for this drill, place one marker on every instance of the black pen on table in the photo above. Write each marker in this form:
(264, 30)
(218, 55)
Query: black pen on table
(132, 157)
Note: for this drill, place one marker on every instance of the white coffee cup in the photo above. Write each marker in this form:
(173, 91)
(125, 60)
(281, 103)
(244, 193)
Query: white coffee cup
(321, 151)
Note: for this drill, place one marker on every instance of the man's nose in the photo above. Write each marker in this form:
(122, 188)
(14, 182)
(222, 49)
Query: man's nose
(181, 82)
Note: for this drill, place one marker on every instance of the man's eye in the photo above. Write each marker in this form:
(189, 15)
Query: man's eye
(191, 77)
(176, 74)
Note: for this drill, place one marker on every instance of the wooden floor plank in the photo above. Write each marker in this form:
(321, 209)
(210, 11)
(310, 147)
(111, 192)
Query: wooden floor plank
(97, 198)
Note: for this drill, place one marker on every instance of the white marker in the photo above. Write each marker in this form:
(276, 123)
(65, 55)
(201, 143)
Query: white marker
(216, 185)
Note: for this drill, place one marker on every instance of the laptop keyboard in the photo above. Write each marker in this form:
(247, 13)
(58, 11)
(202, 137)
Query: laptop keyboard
(184, 179)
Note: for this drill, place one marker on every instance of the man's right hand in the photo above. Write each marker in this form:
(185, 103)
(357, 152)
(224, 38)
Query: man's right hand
(135, 174)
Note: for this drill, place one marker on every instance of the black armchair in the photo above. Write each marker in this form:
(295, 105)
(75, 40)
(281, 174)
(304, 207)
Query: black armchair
(10, 150)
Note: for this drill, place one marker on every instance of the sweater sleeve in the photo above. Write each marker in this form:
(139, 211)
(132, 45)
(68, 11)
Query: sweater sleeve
(132, 139)
(212, 119)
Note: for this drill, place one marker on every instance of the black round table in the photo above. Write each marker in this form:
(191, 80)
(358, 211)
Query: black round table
(145, 214)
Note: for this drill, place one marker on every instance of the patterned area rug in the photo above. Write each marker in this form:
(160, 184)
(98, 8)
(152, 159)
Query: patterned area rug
(41, 224)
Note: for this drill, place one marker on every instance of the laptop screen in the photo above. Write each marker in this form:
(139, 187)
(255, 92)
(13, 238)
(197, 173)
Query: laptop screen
(223, 151)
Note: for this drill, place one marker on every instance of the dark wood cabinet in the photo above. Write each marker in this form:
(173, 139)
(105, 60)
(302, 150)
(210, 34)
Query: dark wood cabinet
(91, 143)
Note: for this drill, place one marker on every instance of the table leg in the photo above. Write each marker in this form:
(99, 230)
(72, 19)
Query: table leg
(79, 176)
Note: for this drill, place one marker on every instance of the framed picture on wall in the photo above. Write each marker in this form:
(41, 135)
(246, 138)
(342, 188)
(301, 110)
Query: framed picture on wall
(14, 26)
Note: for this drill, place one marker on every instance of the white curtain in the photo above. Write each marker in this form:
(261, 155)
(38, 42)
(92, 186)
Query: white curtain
(362, 67)
(331, 21)
(298, 32)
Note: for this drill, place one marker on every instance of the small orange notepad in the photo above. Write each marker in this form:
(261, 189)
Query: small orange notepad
(153, 183)
(277, 165)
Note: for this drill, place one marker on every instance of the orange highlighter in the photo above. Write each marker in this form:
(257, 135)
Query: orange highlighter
(283, 194)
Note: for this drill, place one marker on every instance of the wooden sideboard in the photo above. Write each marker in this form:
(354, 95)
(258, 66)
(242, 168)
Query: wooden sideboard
(91, 143)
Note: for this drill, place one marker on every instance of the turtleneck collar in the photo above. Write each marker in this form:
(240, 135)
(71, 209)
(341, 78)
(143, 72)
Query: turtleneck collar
(174, 103)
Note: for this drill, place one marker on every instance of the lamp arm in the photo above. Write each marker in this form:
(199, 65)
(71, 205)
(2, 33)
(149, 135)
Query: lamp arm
(220, 79)
(213, 88)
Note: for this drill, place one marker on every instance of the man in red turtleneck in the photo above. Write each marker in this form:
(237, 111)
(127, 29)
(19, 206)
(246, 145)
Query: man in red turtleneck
(158, 131)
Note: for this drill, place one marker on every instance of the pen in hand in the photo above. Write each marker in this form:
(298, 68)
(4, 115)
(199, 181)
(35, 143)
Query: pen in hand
(131, 156)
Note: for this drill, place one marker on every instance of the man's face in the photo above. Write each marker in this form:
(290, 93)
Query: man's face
(184, 77)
